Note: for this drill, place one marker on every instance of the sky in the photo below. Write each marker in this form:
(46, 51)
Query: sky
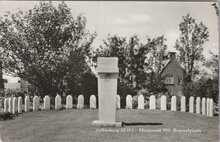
(142, 18)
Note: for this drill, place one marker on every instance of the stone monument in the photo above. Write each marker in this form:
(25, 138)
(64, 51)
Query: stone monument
(107, 90)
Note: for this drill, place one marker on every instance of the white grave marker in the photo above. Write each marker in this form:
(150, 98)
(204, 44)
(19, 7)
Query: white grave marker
(6, 104)
(19, 104)
(92, 102)
(14, 105)
(173, 103)
(36, 103)
(191, 104)
(118, 102)
(140, 102)
(163, 103)
(198, 105)
(152, 102)
(183, 104)
(10, 105)
(203, 105)
(207, 107)
(57, 102)
(27, 104)
(129, 102)
(69, 102)
(211, 108)
(80, 102)
(47, 102)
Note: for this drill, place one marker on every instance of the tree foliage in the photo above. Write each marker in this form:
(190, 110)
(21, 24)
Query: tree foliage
(1, 80)
(46, 46)
(213, 83)
(190, 46)
(139, 64)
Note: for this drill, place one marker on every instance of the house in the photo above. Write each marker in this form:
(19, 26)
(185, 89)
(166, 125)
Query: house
(15, 84)
(173, 75)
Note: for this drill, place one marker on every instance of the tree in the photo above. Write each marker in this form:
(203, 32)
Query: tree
(190, 47)
(1, 80)
(135, 64)
(213, 64)
(46, 46)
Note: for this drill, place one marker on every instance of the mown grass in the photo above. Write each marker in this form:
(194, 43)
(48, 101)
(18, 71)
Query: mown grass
(75, 126)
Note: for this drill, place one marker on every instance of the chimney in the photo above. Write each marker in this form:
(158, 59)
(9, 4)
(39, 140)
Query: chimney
(172, 56)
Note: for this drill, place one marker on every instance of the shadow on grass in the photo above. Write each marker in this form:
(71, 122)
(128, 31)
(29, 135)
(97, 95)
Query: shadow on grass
(139, 123)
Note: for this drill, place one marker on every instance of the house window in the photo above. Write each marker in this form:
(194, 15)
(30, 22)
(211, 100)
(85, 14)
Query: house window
(169, 79)
(179, 80)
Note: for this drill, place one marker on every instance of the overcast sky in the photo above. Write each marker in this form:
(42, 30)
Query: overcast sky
(127, 18)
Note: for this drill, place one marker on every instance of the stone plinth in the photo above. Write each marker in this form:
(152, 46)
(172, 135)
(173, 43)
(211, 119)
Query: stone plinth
(107, 90)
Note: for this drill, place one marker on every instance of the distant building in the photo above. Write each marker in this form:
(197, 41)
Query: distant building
(15, 84)
(173, 74)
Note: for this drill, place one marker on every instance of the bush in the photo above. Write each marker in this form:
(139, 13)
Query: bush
(216, 109)
(135, 102)
(6, 116)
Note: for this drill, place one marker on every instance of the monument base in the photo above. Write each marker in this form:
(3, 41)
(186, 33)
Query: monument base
(106, 124)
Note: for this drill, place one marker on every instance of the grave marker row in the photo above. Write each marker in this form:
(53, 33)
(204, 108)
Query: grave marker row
(14, 105)
(206, 109)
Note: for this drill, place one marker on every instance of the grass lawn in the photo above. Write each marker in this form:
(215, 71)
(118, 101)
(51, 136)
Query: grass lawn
(75, 126)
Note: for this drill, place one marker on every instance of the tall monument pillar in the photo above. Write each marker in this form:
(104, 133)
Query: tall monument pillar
(107, 91)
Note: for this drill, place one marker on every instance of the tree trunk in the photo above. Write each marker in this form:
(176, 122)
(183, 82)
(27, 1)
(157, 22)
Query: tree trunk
(1, 80)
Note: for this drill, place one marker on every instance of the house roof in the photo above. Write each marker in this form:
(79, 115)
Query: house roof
(169, 63)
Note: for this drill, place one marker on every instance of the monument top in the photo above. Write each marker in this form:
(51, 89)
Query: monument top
(107, 65)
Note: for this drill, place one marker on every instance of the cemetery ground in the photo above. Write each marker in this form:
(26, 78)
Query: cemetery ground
(74, 125)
